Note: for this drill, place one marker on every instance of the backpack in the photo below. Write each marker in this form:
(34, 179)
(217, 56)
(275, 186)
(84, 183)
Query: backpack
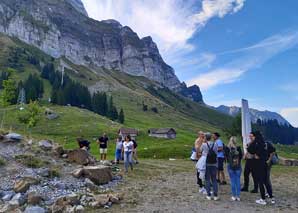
(234, 160)
(211, 156)
(135, 145)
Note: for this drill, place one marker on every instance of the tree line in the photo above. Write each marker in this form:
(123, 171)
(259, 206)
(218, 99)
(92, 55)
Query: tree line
(272, 130)
(66, 91)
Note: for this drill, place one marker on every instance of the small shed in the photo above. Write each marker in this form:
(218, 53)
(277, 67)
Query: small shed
(169, 133)
(123, 132)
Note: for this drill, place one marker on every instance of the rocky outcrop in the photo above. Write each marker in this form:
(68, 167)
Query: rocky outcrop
(79, 6)
(60, 30)
(193, 93)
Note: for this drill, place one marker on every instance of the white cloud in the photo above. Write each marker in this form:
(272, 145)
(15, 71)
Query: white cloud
(247, 58)
(171, 23)
(291, 114)
(216, 77)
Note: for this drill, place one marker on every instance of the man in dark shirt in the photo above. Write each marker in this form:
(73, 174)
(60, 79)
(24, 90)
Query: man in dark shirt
(103, 146)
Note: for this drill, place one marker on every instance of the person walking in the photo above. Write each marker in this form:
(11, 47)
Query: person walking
(118, 150)
(135, 154)
(103, 146)
(128, 151)
(220, 158)
(250, 164)
(234, 156)
(258, 148)
(209, 149)
(271, 153)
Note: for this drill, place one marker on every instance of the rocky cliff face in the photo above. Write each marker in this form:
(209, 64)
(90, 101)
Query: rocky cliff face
(61, 28)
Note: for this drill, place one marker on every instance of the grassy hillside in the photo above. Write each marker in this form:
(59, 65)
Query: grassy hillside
(129, 92)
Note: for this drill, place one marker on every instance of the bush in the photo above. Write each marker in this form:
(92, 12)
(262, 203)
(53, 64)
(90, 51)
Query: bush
(30, 161)
(154, 109)
(2, 162)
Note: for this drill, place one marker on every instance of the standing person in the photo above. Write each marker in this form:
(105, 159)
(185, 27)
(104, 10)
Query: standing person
(209, 149)
(197, 146)
(220, 158)
(234, 156)
(135, 156)
(118, 150)
(103, 146)
(128, 150)
(271, 152)
(258, 148)
(249, 168)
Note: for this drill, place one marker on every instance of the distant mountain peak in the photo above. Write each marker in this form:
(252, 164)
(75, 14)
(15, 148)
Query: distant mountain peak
(255, 114)
(79, 6)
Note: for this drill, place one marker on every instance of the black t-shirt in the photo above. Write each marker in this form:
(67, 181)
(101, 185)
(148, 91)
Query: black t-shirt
(84, 143)
(270, 149)
(103, 142)
(258, 148)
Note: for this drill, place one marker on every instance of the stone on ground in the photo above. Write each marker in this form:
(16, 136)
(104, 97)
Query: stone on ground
(34, 198)
(24, 184)
(45, 145)
(98, 174)
(34, 209)
(80, 156)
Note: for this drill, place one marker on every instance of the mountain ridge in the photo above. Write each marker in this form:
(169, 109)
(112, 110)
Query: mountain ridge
(255, 114)
(62, 29)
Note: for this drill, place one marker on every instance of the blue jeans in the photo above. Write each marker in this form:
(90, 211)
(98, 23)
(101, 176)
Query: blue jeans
(211, 177)
(128, 160)
(235, 181)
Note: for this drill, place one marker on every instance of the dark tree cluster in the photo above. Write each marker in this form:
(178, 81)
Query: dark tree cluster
(66, 91)
(14, 59)
(33, 87)
(3, 77)
(277, 133)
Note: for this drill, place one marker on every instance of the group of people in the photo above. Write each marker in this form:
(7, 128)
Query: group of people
(210, 155)
(126, 149)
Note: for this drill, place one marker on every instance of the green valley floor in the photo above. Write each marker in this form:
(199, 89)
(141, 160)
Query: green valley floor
(169, 186)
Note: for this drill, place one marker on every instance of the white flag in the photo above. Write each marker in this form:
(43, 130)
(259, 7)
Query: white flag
(246, 124)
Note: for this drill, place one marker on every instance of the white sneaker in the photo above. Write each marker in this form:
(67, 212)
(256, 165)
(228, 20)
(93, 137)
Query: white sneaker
(205, 192)
(267, 195)
(215, 198)
(208, 197)
(238, 198)
(273, 200)
(201, 190)
(261, 202)
(233, 198)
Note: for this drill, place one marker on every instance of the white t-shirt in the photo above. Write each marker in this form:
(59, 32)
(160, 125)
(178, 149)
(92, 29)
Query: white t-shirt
(119, 144)
(128, 146)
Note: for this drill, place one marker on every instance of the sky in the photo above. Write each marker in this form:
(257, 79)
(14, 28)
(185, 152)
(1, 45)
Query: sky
(232, 49)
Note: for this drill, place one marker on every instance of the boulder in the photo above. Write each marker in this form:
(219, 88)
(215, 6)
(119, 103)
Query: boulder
(34, 198)
(58, 150)
(72, 199)
(98, 174)
(80, 156)
(90, 184)
(24, 184)
(18, 200)
(14, 136)
(100, 200)
(79, 209)
(8, 195)
(78, 173)
(43, 172)
(107, 163)
(34, 209)
(45, 145)
(285, 162)
(10, 208)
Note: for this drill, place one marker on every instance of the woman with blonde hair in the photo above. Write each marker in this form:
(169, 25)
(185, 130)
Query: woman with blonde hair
(234, 156)
(198, 143)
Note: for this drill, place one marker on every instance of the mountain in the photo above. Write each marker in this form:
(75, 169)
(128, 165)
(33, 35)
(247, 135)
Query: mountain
(79, 6)
(63, 29)
(255, 114)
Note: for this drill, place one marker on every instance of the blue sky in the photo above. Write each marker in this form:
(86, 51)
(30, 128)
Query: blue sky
(232, 49)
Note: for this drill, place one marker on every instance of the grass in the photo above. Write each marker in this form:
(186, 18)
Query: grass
(2, 162)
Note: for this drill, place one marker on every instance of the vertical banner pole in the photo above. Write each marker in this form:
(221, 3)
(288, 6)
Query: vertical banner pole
(246, 124)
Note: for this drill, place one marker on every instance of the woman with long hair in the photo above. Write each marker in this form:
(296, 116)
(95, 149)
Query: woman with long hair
(234, 156)
(128, 149)
(259, 149)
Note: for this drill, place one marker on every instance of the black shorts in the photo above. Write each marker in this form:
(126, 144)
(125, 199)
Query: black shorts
(220, 162)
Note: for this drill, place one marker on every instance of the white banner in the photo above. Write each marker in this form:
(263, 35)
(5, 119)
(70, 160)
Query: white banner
(246, 124)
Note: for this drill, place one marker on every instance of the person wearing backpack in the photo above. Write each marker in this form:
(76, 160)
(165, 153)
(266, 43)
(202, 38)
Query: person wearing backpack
(135, 156)
(209, 149)
(234, 156)
(220, 158)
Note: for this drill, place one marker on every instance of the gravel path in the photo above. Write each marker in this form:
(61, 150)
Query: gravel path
(177, 192)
